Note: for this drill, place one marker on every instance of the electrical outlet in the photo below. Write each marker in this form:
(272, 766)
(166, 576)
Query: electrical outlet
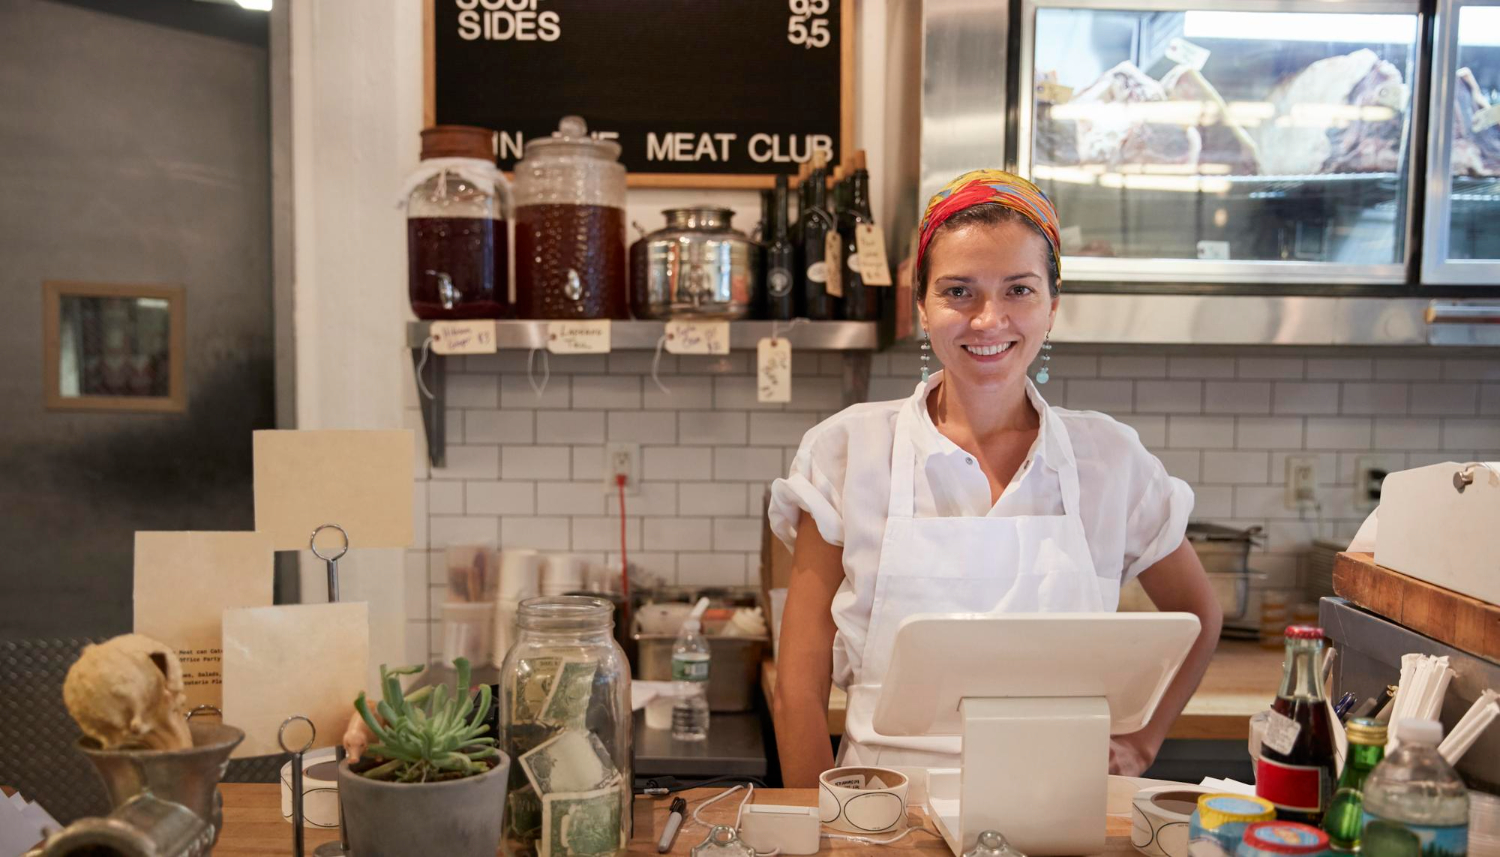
(622, 459)
(1369, 474)
(1301, 481)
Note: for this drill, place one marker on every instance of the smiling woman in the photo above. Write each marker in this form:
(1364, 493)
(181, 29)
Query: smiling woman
(971, 496)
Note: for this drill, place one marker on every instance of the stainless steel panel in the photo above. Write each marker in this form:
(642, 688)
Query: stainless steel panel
(964, 53)
(1237, 320)
(732, 680)
(1370, 649)
(1437, 268)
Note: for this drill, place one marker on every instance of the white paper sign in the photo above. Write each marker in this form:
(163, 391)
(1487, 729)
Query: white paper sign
(473, 336)
(578, 337)
(1054, 93)
(1187, 53)
(1487, 118)
(773, 370)
(872, 261)
(1281, 732)
(1213, 249)
(698, 337)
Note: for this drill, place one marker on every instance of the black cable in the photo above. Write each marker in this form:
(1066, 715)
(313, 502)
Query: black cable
(657, 787)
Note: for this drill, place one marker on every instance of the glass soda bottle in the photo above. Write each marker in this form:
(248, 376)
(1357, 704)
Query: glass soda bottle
(1416, 805)
(1345, 815)
(1295, 771)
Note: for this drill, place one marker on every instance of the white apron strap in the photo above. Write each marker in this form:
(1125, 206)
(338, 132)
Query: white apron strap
(902, 501)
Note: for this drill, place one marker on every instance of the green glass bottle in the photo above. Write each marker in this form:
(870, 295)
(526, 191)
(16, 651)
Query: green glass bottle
(1346, 812)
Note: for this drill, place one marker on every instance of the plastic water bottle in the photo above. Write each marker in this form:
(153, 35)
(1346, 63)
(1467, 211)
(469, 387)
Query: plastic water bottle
(690, 663)
(1415, 803)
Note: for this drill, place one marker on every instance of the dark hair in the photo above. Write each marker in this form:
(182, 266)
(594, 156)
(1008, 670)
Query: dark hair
(986, 214)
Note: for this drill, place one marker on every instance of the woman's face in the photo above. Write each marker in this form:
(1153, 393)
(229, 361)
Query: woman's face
(988, 307)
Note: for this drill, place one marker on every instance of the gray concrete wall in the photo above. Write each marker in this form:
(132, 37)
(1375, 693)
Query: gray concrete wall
(130, 153)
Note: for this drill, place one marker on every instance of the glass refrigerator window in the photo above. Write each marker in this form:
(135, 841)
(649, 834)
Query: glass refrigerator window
(1245, 136)
(1476, 137)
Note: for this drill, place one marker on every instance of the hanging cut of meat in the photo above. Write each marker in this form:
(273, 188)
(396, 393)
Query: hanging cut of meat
(1314, 129)
(1110, 133)
(1224, 141)
(1474, 153)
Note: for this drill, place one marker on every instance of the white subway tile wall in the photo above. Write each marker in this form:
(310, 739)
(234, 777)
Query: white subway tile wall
(526, 469)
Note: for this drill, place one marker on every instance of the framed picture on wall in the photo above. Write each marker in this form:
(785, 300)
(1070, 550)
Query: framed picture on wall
(114, 347)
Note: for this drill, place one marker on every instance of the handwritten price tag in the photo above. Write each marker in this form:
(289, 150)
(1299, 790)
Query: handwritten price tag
(1281, 732)
(833, 260)
(1487, 118)
(1185, 52)
(872, 261)
(698, 337)
(463, 337)
(1053, 93)
(773, 372)
(578, 337)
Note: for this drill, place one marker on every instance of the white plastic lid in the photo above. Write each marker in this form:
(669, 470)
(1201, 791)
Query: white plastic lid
(1417, 731)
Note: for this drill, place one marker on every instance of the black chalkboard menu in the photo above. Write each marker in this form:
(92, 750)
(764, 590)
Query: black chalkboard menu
(698, 93)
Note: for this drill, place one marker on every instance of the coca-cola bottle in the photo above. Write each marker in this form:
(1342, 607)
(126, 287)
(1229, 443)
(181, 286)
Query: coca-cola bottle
(1295, 771)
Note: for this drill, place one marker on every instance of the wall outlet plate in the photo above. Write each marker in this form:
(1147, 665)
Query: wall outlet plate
(1301, 481)
(622, 458)
(1369, 472)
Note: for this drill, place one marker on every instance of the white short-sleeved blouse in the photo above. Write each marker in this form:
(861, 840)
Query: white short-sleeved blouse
(1134, 514)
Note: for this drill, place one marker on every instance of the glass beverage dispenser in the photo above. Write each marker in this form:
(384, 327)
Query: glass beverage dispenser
(457, 208)
(570, 227)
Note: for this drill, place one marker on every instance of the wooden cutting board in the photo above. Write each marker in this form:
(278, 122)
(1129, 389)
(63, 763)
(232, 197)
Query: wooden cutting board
(1460, 621)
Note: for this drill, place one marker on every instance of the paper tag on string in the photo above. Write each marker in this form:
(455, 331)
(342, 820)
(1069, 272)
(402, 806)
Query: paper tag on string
(578, 337)
(1281, 732)
(773, 373)
(1054, 93)
(473, 336)
(833, 261)
(1185, 52)
(872, 260)
(1487, 118)
(697, 337)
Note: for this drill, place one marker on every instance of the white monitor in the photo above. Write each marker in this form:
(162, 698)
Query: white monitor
(1036, 697)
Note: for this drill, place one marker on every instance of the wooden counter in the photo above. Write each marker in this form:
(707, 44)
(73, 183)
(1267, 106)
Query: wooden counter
(1242, 679)
(253, 824)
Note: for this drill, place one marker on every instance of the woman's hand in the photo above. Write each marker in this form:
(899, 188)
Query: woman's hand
(1131, 755)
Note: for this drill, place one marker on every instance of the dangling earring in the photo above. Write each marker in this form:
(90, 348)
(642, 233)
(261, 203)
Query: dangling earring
(1042, 373)
(926, 354)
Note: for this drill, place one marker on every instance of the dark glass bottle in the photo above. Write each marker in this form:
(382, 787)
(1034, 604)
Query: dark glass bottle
(817, 223)
(1298, 776)
(1345, 816)
(861, 301)
(781, 260)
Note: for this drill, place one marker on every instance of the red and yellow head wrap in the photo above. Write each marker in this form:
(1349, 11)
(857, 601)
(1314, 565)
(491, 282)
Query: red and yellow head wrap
(991, 186)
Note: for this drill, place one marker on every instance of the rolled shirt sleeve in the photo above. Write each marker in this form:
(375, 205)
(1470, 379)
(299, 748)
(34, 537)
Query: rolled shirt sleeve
(808, 489)
(1161, 505)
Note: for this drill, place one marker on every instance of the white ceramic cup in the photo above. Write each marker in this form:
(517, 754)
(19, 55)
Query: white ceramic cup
(520, 573)
(862, 799)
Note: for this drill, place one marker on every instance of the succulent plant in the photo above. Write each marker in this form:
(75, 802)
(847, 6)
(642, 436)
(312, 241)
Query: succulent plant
(431, 734)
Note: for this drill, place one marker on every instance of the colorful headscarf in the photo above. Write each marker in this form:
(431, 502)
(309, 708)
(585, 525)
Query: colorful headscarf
(982, 186)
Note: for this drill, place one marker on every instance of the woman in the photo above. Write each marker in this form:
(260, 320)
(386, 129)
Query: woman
(973, 495)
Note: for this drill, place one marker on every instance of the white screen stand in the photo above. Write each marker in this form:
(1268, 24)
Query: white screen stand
(1035, 697)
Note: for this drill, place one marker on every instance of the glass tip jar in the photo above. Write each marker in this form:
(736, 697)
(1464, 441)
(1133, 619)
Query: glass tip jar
(458, 224)
(565, 719)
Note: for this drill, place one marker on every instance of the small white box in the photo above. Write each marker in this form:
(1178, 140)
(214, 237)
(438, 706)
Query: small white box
(793, 829)
(1432, 531)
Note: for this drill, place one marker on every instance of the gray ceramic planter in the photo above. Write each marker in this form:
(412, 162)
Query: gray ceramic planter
(457, 818)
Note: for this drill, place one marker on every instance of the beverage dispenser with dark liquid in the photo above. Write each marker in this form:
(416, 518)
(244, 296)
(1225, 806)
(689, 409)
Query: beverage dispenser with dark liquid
(570, 227)
(457, 208)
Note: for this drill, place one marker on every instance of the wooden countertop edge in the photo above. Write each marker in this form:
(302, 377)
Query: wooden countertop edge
(1230, 699)
(253, 826)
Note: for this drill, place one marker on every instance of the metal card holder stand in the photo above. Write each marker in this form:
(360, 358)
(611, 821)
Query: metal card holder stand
(297, 812)
(339, 848)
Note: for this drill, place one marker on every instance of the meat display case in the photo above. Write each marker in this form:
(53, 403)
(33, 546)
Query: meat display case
(1223, 141)
(1461, 229)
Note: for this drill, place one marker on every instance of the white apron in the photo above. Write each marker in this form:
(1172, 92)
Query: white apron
(1019, 564)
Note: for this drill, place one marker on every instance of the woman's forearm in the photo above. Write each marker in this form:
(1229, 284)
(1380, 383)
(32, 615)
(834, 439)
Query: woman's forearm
(801, 737)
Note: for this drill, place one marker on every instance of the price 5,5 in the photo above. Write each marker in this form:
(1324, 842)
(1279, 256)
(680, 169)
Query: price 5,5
(811, 34)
